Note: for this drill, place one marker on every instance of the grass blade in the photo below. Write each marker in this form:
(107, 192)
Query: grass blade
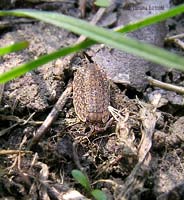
(98, 194)
(14, 47)
(152, 20)
(81, 178)
(99, 34)
(108, 37)
(22, 69)
(102, 3)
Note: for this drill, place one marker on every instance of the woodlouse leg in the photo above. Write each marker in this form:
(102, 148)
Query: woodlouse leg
(91, 131)
(102, 129)
(94, 129)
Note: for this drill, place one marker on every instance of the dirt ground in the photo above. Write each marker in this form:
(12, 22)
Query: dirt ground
(139, 156)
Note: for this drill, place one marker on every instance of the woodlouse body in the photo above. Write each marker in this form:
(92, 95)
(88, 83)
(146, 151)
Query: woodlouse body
(91, 94)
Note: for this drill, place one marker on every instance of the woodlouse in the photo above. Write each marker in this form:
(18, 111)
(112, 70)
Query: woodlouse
(91, 94)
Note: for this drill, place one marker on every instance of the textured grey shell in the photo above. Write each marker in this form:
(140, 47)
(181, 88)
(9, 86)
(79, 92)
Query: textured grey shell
(91, 94)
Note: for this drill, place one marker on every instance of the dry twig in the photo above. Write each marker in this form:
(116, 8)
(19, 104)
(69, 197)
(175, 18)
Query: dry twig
(176, 40)
(10, 152)
(52, 115)
(166, 86)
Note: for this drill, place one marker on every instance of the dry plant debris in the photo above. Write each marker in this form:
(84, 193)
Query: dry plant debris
(135, 181)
